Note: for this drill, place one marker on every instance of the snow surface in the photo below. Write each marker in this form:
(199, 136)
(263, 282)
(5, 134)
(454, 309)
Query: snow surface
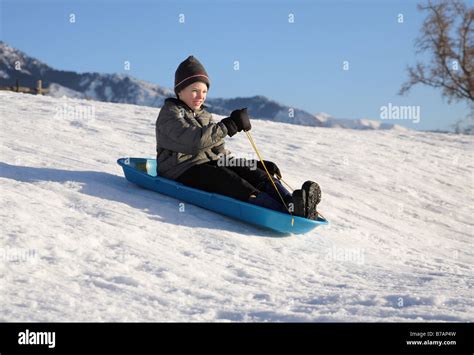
(80, 243)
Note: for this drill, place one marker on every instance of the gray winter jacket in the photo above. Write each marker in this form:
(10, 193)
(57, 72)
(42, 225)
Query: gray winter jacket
(185, 138)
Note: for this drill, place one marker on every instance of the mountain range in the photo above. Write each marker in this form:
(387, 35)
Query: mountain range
(15, 66)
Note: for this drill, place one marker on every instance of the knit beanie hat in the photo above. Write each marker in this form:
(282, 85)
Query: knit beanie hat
(188, 72)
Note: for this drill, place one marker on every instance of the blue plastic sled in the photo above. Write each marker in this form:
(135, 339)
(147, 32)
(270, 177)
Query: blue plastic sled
(142, 172)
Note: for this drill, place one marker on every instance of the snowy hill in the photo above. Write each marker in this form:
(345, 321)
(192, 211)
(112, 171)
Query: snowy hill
(126, 89)
(80, 243)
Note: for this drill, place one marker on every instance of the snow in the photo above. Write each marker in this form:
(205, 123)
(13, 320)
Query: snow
(108, 93)
(80, 243)
(4, 75)
(325, 120)
(8, 56)
(92, 86)
(57, 90)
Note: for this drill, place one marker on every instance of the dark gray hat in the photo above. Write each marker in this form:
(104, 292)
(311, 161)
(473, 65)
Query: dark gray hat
(188, 72)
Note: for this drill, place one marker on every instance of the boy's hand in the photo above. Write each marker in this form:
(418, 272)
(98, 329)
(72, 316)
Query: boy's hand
(241, 119)
(271, 167)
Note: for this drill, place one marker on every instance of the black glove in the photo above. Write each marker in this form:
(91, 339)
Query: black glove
(271, 167)
(241, 119)
(230, 125)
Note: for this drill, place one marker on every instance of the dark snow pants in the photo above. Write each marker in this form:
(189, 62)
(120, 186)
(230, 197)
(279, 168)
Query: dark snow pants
(237, 182)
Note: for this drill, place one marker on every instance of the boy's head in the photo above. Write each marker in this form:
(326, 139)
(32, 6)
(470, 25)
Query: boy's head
(191, 83)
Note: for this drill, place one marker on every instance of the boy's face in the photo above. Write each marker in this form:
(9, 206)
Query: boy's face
(194, 95)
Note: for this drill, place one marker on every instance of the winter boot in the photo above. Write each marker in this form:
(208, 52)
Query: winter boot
(298, 203)
(313, 197)
(263, 199)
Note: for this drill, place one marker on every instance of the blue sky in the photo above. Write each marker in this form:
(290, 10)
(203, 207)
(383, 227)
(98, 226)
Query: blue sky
(299, 64)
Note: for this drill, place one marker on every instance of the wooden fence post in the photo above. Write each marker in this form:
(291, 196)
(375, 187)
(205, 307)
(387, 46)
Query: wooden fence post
(39, 88)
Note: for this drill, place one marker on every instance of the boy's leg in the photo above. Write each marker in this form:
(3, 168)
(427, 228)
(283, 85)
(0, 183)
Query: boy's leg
(222, 180)
(259, 179)
(211, 178)
(254, 176)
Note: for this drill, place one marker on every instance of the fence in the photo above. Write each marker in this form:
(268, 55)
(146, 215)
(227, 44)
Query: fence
(38, 90)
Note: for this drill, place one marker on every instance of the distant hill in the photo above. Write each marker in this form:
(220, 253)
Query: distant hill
(119, 88)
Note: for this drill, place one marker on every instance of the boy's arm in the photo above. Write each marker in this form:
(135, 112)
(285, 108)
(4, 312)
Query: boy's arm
(176, 134)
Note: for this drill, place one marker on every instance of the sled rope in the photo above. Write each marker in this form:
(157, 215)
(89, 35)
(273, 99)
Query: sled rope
(283, 181)
(268, 174)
